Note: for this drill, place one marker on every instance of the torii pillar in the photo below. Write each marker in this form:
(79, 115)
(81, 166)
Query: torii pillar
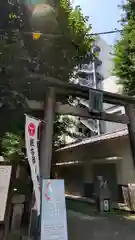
(130, 111)
(47, 134)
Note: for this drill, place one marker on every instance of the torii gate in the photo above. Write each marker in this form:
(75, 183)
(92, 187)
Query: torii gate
(56, 87)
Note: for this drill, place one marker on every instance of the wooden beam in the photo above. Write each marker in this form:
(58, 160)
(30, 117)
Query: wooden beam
(80, 91)
(66, 109)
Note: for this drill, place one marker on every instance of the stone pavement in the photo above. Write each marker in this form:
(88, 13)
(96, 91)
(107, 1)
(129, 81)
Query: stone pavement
(82, 227)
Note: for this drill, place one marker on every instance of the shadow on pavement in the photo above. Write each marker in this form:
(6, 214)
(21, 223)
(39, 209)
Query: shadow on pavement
(85, 223)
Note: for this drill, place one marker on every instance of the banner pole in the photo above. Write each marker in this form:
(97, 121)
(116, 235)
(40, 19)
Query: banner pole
(30, 222)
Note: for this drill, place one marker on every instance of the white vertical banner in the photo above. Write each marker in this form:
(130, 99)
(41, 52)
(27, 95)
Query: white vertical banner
(31, 137)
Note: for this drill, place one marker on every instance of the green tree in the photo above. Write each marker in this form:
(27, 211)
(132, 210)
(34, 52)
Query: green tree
(54, 54)
(11, 145)
(124, 51)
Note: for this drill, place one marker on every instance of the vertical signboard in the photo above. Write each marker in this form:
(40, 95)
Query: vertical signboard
(95, 101)
(31, 133)
(5, 175)
(53, 210)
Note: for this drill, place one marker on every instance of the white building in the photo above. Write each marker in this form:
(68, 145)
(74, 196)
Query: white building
(97, 74)
(101, 68)
(105, 56)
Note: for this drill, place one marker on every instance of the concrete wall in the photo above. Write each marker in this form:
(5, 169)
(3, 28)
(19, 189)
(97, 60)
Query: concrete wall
(109, 84)
(105, 57)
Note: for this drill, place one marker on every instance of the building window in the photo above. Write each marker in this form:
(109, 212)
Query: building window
(80, 130)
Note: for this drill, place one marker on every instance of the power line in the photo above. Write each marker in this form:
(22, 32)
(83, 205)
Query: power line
(107, 32)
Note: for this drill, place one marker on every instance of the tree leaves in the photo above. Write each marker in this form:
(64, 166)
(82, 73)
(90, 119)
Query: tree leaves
(55, 55)
(12, 146)
(62, 128)
(124, 51)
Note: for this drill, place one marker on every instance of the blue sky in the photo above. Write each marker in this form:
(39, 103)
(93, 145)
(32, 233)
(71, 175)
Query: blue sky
(103, 14)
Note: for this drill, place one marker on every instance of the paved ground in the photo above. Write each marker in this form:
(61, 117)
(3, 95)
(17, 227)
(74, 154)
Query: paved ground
(82, 227)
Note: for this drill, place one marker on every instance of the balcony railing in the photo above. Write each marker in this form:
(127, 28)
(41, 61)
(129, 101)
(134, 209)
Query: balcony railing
(85, 82)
